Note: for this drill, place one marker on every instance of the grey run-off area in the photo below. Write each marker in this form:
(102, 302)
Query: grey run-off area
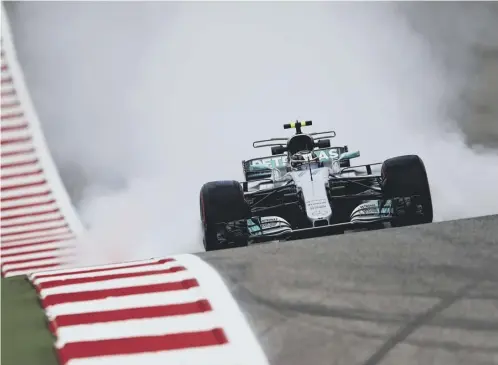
(419, 295)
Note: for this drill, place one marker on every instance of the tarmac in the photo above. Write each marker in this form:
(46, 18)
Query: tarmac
(419, 295)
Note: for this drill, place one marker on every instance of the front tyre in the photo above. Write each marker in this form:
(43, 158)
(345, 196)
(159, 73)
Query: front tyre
(405, 182)
(222, 202)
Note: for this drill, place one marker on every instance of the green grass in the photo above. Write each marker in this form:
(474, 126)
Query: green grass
(25, 337)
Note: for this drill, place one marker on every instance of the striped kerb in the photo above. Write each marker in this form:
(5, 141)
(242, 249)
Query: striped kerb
(154, 312)
(38, 224)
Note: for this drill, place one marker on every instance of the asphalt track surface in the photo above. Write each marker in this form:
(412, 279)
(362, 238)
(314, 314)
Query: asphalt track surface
(416, 295)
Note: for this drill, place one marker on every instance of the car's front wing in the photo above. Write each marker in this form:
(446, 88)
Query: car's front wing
(328, 230)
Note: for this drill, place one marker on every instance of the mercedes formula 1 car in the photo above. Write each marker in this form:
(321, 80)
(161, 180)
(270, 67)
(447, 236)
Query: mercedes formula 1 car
(307, 188)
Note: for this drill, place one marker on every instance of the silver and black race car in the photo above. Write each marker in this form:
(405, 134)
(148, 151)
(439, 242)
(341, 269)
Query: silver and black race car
(307, 188)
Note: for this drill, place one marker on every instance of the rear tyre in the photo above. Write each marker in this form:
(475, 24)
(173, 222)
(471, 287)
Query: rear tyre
(222, 201)
(404, 180)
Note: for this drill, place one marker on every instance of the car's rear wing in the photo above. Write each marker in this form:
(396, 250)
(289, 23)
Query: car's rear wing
(254, 169)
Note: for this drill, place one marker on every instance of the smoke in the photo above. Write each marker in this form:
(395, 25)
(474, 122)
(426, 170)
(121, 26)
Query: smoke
(144, 102)
(464, 37)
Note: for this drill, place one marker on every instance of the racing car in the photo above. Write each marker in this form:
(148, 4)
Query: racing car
(307, 188)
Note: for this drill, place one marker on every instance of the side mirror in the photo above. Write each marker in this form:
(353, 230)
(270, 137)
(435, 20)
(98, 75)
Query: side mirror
(349, 155)
(277, 150)
(323, 143)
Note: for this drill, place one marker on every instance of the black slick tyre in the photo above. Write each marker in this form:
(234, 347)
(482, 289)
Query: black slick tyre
(405, 177)
(222, 201)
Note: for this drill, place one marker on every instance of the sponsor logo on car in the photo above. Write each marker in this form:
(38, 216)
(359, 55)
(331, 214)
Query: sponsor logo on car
(279, 161)
(318, 208)
(267, 225)
(372, 209)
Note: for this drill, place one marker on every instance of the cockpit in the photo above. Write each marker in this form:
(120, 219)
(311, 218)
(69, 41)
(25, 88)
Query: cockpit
(304, 160)
(307, 166)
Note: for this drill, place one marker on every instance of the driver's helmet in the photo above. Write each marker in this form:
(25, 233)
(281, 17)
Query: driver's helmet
(304, 159)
